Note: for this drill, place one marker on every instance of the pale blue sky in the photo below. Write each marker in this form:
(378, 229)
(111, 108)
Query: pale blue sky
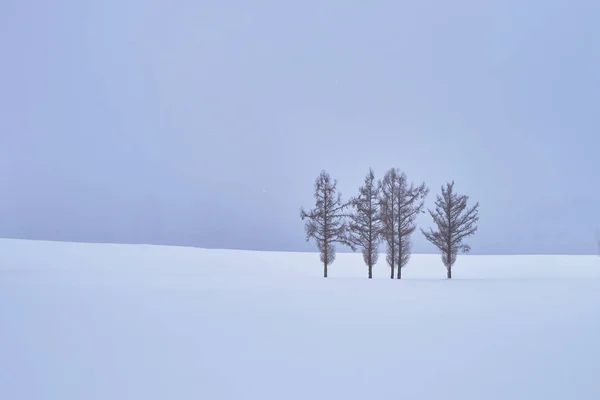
(206, 122)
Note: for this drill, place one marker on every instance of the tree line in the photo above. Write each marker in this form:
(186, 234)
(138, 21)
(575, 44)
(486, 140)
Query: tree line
(385, 211)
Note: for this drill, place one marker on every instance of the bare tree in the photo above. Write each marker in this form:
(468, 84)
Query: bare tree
(410, 204)
(400, 205)
(326, 223)
(389, 215)
(365, 221)
(454, 223)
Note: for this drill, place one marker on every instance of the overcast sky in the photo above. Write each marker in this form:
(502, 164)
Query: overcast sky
(206, 122)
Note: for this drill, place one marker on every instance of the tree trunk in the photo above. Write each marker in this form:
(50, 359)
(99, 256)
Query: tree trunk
(449, 273)
(392, 275)
(370, 272)
(325, 269)
(399, 272)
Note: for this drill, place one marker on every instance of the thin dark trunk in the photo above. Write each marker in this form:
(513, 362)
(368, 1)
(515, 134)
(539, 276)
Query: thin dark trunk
(399, 254)
(399, 272)
(370, 271)
(392, 275)
(325, 236)
(449, 272)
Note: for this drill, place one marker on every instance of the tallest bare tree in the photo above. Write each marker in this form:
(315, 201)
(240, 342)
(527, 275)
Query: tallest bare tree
(389, 215)
(326, 223)
(401, 202)
(410, 204)
(455, 222)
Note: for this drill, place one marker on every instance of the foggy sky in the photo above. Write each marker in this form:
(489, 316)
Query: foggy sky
(206, 122)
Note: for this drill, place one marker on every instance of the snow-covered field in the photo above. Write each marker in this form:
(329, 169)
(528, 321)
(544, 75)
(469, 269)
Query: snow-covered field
(97, 321)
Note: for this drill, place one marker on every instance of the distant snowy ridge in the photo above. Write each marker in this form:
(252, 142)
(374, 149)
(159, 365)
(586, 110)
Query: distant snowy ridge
(40, 255)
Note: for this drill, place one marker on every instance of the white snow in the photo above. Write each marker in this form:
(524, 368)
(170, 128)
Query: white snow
(97, 321)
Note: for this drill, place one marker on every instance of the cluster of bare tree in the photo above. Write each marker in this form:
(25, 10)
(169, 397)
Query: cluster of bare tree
(386, 211)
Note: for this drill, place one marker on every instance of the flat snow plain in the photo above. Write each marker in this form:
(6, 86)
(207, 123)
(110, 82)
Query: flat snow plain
(102, 321)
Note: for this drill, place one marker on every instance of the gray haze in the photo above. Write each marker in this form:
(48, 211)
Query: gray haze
(206, 122)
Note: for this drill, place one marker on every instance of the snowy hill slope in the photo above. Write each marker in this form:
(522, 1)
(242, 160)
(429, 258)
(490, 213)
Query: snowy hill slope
(100, 321)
